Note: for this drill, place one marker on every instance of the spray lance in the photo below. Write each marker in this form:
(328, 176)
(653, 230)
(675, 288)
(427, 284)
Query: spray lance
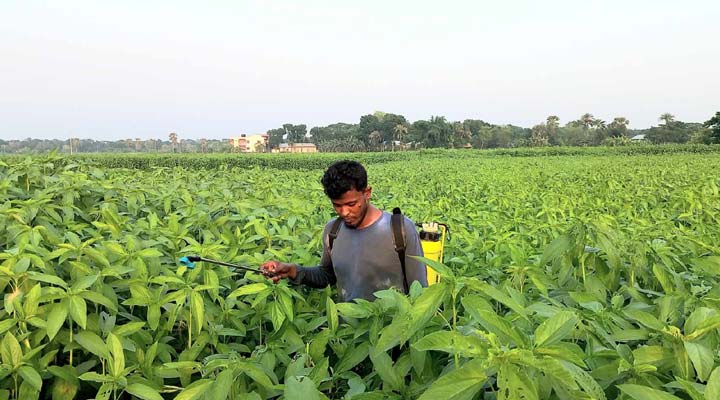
(190, 261)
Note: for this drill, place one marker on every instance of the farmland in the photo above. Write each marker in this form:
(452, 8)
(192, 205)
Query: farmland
(581, 276)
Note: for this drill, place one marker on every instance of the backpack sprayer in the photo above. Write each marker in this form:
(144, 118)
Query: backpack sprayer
(432, 239)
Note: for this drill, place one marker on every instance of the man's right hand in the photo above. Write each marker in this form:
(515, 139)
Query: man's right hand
(277, 270)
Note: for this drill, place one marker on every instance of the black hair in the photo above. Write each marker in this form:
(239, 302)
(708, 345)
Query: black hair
(342, 176)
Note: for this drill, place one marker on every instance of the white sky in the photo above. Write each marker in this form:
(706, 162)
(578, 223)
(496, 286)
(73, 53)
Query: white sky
(127, 69)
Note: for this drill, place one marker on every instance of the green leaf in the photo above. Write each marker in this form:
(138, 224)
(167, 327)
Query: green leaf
(195, 390)
(97, 256)
(48, 279)
(690, 389)
(83, 283)
(143, 392)
(352, 357)
(252, 288)
(277, 316)
(150, 253)
(11, 351)
(153, 316)
(332, 314)
(94, 377)
(78, 310)
(256, 373)
(28, 392)
(439, 267)
(652, 355)
(352, 310)
(452, 342)
(701, 357)
(639, 392)
(497, 295)
(465, 381)
(712, 389)
(128, 329)
(287, 306)
(6, 324)
(302, 388)
(384, 367)
(222, 385)
(555, 328)
(118, 356)
(197, 307)
(140, 295)
(31, 376)
(92, 343)
(391, 335)
(585, 380)
(644, 318)
(424, 307)
(98, 298)
(704, 327)
(501, 327)
(556, 249)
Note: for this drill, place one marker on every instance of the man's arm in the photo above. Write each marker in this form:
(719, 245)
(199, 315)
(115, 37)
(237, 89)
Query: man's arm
(316, 277)
(320, 276)
(415, 270)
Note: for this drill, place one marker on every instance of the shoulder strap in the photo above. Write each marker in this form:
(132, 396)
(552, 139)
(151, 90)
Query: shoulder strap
(398, 228)
(334, 231)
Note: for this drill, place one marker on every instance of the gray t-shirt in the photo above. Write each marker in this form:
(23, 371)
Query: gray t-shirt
(364, 261)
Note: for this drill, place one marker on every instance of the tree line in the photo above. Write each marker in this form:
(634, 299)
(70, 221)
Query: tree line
(382, 131)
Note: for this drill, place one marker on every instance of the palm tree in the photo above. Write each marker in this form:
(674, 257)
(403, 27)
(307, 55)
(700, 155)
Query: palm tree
(553, 122)
(400, 131)
(375, 138)
(668, 118)
(174, 140)
(587, 120)
(618, 127)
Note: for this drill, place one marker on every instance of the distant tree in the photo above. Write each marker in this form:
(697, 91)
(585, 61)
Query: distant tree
(587, 120)
(203, 145)
(539, 136)
(174, 140)
(275, 137)
(440, 133)
(375, 138)
(714, 125)
(138, 144)
(618, 127)
(461, 133)
(368, 124)
(400, 131)
(667, 118)
(295, 133)
(552, 124)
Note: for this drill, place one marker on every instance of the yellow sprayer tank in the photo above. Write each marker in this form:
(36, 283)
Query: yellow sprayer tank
(432, 240)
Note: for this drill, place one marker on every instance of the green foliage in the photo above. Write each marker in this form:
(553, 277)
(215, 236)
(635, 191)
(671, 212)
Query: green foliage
(571, 273)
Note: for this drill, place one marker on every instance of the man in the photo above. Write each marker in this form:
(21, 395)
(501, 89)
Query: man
(362, 258)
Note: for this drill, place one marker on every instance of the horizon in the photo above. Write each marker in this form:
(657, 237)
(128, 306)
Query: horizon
(111, 72)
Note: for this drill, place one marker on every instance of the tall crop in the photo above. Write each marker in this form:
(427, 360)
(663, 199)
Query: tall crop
(565, 278)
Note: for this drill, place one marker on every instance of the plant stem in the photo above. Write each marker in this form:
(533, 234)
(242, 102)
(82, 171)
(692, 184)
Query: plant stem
(71, 340)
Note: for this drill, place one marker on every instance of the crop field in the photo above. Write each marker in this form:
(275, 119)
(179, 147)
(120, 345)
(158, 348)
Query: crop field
(583, 276)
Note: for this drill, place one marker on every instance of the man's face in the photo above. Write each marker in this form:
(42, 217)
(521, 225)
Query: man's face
(352, 206)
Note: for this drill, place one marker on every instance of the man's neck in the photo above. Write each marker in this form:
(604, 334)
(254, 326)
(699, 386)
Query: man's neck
(372, 215)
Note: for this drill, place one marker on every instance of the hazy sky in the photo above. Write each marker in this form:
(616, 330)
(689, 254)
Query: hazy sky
(214, 69)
